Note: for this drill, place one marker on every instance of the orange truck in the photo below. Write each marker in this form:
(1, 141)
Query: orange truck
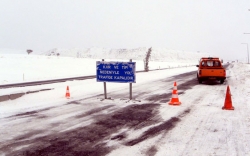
(210, 68)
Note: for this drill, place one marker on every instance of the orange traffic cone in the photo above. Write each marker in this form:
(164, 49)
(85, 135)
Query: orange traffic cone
(174, 100)
(228, 101)
(67, 93)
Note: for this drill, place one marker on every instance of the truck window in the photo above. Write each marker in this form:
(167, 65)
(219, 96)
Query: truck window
(216, 63)
(210, 63)
(203, 63)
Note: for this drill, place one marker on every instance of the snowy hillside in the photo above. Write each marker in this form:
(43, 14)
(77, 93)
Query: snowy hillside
(12, 51)
(157, 54)
(61, 63)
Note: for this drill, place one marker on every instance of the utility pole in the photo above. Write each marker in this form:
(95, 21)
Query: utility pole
(247, 52)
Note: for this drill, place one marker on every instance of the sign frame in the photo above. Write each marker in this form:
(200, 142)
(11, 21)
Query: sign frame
(118, 72)
(132, 71)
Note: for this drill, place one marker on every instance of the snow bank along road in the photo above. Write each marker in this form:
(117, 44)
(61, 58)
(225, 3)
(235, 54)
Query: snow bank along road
(145, 126)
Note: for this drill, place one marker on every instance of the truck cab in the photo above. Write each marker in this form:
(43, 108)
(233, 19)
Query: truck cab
(210, 68)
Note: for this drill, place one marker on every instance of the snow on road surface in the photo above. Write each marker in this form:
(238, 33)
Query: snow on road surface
(46, 122)
(202, 127)
(85, 124)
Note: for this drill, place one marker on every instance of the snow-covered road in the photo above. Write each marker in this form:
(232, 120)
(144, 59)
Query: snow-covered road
(146, 125)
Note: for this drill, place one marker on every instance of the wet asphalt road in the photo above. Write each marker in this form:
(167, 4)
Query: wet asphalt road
(106, 122)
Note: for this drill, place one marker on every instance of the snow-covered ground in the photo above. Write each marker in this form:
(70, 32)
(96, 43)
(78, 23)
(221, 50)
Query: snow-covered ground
(21, 67)
(209, 130)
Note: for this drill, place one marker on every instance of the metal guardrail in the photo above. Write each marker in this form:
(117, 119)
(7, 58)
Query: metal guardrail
(34, 83)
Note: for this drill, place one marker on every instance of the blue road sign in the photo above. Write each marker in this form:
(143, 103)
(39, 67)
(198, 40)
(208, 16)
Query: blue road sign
(122, 72)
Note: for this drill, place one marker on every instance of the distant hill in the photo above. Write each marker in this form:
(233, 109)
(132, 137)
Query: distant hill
(19, 51)
(12, 51)
(157, 54)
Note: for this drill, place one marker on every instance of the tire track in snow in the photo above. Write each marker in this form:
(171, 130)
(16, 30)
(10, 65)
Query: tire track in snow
(160, 90)
(188, 101)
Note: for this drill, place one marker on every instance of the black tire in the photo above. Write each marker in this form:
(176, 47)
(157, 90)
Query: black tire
(200, 81)
(221, 81)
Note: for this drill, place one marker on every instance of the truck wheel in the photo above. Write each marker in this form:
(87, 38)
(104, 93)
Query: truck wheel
(200, 81)
(221, 81)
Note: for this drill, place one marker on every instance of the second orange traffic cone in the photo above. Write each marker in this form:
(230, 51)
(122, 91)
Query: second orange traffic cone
(174, 100)
(67, 95)
(228, 101)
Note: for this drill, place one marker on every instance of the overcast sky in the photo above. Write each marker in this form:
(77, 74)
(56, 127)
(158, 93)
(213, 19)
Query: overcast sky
(212, 26)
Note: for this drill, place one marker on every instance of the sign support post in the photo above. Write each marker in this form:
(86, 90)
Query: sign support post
(105, 89)
(130, 87)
